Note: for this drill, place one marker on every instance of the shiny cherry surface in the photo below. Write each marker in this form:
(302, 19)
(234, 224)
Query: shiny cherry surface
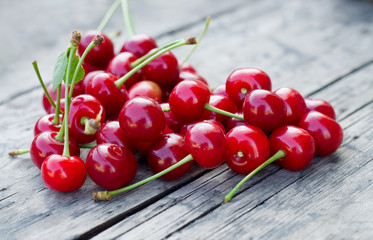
(321, 106)
(220, 90)
(89, 76)
(234, 122)
(189, 125)
(45, 123)
(139, 45)
(173, 122)
(186, 67)
(146, 89)
(110, 132)
(185, 75)
(223, 103)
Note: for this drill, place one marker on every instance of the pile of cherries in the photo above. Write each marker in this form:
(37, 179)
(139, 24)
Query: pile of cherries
(136, 101)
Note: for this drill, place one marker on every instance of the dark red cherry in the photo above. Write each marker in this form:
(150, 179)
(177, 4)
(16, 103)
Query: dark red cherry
(295, 105)
(139, 45)
(220, 90)
(264, 109)
(242, 80)
(120, 65)
(142, 119)
(100, 55)
(111, 166)
(207, 144)
(45, 123)
(102, 86)
(248, 148)
(174, 123)
(89, 68)
(146, 89)
(63, 174)
(298, 145)
(322, 106)
(234, 122)
(110, 132)
(328, 134)
(45, 144)
(191, 76)
(166, 151)
(223, 103)
(143, 147)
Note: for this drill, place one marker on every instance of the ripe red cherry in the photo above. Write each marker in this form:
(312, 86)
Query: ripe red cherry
(298, 145)
(322, 106)
(295, 105)
(234, 122)
(248, 148)
(264, 109)
(45, 123)
(164, 70)
(146, 89)
(120, 65)
(88, 77)
(139, 45)
(220, 90)
(188, 126)
(110, 132)
(186, 67)
(111, 166)
(191, 76)
(207, 144)
(45, 144)
(100, 55)
(242, 80)
(174, 123)
(142, 119)
(328, 134)
(188, 98)
(63, 174)
(166, 151)
(89, 68)
(220, 102)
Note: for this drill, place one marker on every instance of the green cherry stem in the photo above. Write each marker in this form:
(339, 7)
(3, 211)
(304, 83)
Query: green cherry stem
(108, 15)
(220, 111)
(208, 19)
(36, 68)
(107, 195)
(128, 18)
(276, 156)
(18, 152)
(88, 145)
(187, 41)
(56, 118)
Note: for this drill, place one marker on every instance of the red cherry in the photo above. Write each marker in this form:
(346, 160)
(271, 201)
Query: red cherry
(111, 166)
(174, 123)
(88, 77)
(89, 68)
(100, 55)
(234, 122)
(322, 106)
(52, 110)
(248, 148)
(264, 109)
(242, 80)
(220, 102)
(45, 144)
(295, 105)
(166, 151)
(186, 67)
(207, 144)
(63, 174)
(146, 89)
(220, 90)
(53, 95)
(45, 123)
(191, 76)
(139, 45)
(110, 132)
(143, 147)
(188, 126)
(142, 119)
(298, 145)
(328, 134)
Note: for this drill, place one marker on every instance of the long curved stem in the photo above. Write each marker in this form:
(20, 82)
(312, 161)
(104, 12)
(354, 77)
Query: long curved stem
(36, 68)
(223, 112)
(108, 15)
(128, 18)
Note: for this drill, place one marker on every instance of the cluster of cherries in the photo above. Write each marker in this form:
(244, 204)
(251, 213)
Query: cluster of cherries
(142, 100)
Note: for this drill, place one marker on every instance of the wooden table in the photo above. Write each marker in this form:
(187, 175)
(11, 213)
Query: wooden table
(324, 49)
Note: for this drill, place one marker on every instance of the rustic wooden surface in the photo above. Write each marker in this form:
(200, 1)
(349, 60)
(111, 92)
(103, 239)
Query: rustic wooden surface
(323, 49)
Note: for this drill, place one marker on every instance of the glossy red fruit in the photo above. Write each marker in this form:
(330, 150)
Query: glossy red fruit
(191, 76)
(100, 55)
(143, 147)
(321, 106)
(45, 144)
(328, 134)
(295, 105)
(111, 166)
(188, 98)
(174, 123)
(120, 65)
(223, 103)
(89, 76)
(110, 132)
(142, 119)
(298, 145)
(52, 110)
(102, 87)
(207, 144)
(45, 123)
(220, 90)
(165, 152)
(53, 95)
(264, 109)
(89, 68)
(234, 122)
(139, 45)
(188, 126)
(248, 148)
(63, 174)
(164, 70)
(242, 80)
(146, 89)
(186, 67)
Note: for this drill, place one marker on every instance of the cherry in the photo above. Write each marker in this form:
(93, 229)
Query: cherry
(223, 103)
(166, 151)
(139, 45)
(191, 76)
(220, 90)
(111, 166)
(143, 147)
(52, 110)
(100, 55)
(110, 132)
(63, 174)
(142, 119)
(295, 105)
(264, 109)
(234, 122)
(146, 89)
(322, 106)
(186, 67)
(188, 126)
(248, 148)
(174, 123)
(89, 76)
(89, 68)
(45, 123)
(242, 80)
(46, 103)
(328, 134)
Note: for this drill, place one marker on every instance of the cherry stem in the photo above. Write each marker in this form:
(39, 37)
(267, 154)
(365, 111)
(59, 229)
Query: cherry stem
(56, 118)
(36, 68)
(222, 112)
(106, 195)
(208, 19)
(279, 154)
(91, 126)
(115, 34)
(128, 18)
(18, 152)
(108, 15)
(88, 145)
(187, 41)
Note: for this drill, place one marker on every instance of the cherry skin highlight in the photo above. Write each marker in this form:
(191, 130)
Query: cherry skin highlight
(321, 106)
(110, 132)
(139, 45)
(45, 124)
(146, 89)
